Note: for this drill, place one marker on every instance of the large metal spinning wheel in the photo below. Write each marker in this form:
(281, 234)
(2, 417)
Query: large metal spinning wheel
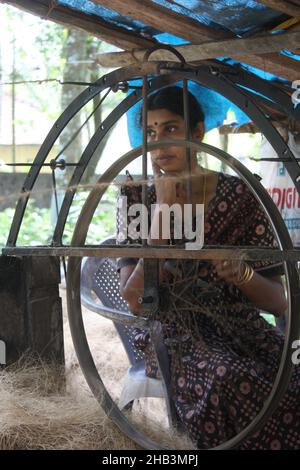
(254, 96)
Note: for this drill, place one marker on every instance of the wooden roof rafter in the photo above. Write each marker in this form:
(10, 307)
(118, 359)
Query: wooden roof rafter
(264, 56)
(165, 20)
(291, 8)
(278, 64)
(51, 10)
(174, 23)
(209, 50)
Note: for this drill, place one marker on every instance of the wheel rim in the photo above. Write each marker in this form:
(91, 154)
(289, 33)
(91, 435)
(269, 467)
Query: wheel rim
(74, 306)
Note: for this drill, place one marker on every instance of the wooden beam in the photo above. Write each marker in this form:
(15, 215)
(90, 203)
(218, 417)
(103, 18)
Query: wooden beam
(284, 61)
(291, 24)
(251, 128)
(195, 52)
(165, 19)
(289, 8)
(278, 64)
(117, 36)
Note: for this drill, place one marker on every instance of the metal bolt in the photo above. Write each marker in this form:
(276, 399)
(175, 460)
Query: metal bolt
(145, 300)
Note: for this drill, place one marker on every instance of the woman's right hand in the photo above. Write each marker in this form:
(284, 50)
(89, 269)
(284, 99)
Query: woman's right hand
(170, 189)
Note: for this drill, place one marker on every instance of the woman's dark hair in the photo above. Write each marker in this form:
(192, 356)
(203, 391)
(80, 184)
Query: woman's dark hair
(171, 98)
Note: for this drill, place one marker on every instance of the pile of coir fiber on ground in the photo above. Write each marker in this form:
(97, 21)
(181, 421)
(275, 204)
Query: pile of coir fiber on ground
(44, 407)
(38, 410)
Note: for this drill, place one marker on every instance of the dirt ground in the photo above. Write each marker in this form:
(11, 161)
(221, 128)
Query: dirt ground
(46, 408)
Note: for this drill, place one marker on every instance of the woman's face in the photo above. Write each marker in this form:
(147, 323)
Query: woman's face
(164, 125)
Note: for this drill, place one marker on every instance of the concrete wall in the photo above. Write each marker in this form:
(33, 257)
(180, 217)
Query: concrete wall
(11, 184)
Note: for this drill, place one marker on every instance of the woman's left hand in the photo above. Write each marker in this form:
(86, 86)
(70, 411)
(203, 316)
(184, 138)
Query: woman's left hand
(229, 270)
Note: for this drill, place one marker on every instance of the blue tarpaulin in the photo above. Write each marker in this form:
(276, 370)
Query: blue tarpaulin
(241, 17)
(238, 16)
(214, 106)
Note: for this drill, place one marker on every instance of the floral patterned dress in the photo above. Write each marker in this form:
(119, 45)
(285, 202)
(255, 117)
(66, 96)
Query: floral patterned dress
(224, 355)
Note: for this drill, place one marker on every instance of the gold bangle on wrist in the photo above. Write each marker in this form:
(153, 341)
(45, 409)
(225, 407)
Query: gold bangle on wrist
(246, 276)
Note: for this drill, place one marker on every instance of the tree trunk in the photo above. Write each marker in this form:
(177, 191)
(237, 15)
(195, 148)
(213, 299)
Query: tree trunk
(75, 51)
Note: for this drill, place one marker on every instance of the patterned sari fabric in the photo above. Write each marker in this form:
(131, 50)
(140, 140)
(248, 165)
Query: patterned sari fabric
(224, 356)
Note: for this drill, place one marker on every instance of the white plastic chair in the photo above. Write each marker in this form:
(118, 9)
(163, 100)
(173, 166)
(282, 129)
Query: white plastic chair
(100, 276)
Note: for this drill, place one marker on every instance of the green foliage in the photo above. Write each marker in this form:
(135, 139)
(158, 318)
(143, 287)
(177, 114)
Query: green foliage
(36, 221)
(5, 223)
(42, 53)
(38, 55)
(104, 220)
(37, 227)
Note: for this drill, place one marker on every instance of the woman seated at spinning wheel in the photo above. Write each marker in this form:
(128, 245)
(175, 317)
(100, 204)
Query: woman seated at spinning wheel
(224, 356)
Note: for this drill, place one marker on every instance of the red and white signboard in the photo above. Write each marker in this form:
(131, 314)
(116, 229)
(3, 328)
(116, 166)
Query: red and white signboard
(280, 186)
